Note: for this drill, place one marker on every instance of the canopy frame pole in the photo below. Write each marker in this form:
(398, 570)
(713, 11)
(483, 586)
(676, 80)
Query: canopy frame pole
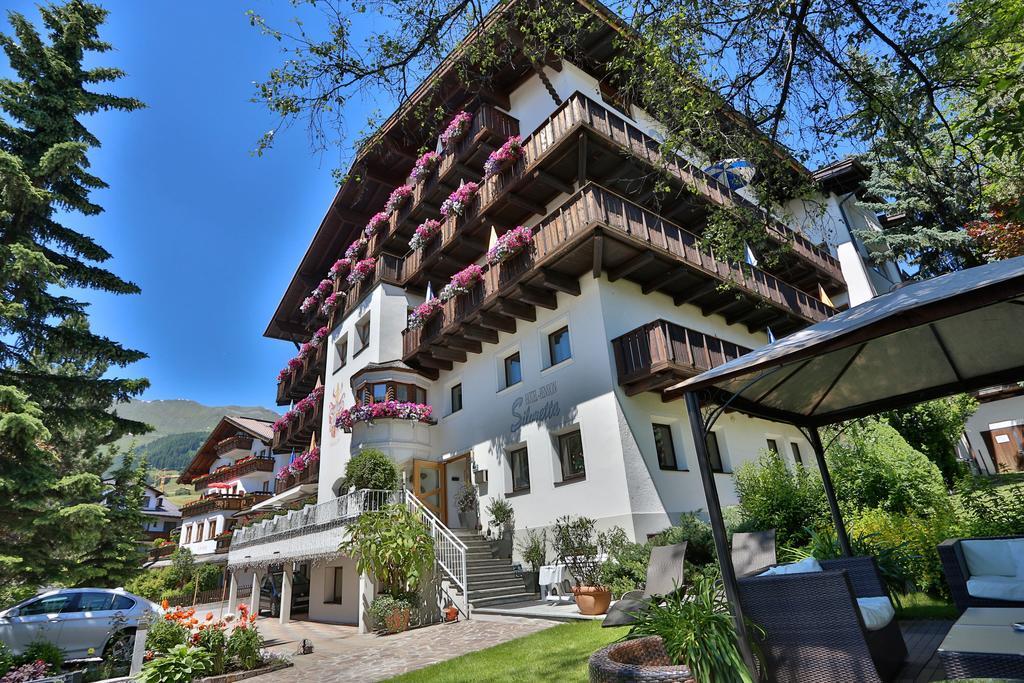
(830, 492)
(700, 432)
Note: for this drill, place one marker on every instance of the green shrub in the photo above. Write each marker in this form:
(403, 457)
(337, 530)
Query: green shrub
(697, 629)
(180, 665)
(935, 428)
(501, 513)
(987, 510)
(774, 496)
(700, 541)
(182, 569)
(208, 576)
(575, 545)
(626, 567)
(6, 659)
(44, 651)
(150, 584)
(164, 635)
(394, 546)
(383, 606)
(533, 547)
(214, 639)
(245, 645)
(371, 469)
(873, 467)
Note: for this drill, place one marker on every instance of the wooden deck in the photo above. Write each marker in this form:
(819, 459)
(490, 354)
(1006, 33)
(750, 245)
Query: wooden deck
(923, 638)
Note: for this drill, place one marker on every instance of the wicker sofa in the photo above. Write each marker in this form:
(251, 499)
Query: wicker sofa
(812, 630)
(983, 572)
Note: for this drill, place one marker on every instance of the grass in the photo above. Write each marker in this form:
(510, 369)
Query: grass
(558, 653)
(924, 606)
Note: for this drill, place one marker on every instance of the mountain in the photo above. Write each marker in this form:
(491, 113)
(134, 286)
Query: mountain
(181, 417)
(173, 451)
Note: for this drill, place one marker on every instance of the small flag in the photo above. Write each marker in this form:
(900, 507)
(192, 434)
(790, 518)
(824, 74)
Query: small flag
(771, 336)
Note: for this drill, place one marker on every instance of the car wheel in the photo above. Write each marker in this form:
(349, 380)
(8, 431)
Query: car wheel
(120, 647)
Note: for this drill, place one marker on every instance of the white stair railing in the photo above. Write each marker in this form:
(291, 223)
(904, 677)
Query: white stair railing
(449, 551)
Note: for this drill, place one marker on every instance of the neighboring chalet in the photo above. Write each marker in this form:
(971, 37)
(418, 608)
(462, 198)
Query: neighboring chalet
(571, 297)
(160, 516)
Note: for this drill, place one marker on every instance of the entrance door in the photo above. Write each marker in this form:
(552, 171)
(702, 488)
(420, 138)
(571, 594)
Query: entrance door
(1006, 446)
(428, 485)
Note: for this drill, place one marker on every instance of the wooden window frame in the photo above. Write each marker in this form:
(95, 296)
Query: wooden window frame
(674, 462)
(506, 363)
(511, 463)
(582, 474)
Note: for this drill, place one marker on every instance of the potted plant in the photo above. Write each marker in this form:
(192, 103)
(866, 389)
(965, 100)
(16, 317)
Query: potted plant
(466, 503)
(533, 549)
(394, 546)
(502, 519)
(574, 544)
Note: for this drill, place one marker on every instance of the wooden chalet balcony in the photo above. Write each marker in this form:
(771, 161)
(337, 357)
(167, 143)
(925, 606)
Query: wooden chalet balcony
(302, 380)
(154, 554)
(297, 433)
(388, 269)
(657, 355)
(241, 468)
(582, 140)
(150, 536)
(223, 544)
(234, 443)
(223, 501)
(310, 475)
(597, 230)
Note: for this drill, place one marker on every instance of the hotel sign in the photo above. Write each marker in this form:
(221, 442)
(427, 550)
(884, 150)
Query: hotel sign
(528, 408)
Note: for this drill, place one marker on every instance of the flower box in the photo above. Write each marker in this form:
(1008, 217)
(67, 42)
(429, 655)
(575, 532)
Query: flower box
(510, 152)
(462, 282)
(419, 316)
(456, 130)
(425, 232)
(459, 200)
(361, 270)
(378, 221)
(390, 410)
(399, 196)
(510, 244)
(424, 166)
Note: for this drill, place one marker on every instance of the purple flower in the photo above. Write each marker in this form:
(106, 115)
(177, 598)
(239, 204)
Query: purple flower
(425, 231)
(509, 244)
(456, 130)
(424, 166)
(458, 201)
(510, 151)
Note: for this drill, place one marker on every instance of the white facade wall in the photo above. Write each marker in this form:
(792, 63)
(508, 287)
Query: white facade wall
(199, 526)
(990, 415)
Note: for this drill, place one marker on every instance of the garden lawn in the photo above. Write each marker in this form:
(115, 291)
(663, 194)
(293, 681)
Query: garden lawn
(924, 606)
(559, 653)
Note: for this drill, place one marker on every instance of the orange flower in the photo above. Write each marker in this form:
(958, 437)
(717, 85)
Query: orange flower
(164, 603)
(209, 616)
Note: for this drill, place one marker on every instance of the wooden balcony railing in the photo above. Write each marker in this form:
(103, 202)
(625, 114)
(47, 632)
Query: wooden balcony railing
(656, 355)
(234, 443)
(297, 433)
(242, 467)
(223, 544)
(154, 554)
(301, 381)
(223, 501)
(592, 209)
(388, 269)
(310, 475)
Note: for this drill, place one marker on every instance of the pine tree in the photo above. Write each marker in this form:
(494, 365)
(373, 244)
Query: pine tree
(45, 178)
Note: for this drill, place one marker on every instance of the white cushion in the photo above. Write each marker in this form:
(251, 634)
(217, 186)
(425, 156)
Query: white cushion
(996, 587)
(804, 566)
(1017, 551)
(990, 557)
(877, 612)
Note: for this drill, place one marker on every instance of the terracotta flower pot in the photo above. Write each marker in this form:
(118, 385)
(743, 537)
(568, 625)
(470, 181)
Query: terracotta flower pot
(398, 621)
(591, 600)
(451, 613)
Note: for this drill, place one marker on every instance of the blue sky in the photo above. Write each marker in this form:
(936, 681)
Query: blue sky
(210, 233)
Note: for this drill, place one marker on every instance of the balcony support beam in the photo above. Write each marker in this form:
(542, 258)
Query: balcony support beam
(665, 280)
(581, 160)
(481, 334)
(470, 345)
(431, 362)
(559, 282)
(538, 297)
(517, 310)
(598, 255)
(552, 182)
(721, 307)
(445, 353)
(631, 266)
(696, 293)
(496, 321)
(522, 203)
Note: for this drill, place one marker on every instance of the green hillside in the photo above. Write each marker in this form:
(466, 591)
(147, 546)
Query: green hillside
(172, 452)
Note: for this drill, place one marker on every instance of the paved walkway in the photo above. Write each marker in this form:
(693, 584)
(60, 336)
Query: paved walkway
(341, 654)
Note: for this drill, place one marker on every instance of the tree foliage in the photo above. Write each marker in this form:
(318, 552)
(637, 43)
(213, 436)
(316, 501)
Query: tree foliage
(935, 428)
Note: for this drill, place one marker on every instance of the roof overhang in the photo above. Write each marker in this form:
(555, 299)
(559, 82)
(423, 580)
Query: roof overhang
(959, 332)
(206, 455)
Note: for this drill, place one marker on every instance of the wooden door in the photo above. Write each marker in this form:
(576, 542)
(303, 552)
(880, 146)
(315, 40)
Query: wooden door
(428, 486)
(1006, 446)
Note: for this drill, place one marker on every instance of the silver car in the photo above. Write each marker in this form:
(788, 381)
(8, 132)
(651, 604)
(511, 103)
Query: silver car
(83, 622)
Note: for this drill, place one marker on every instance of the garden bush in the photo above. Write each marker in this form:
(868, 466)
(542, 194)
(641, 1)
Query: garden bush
(987, 510)
(774, 496)
(42, 650)
(935, 428)
(164, 635)
(873, 467)
(180, 665)
(214, 639)
(245, 646)
(150, 584)
(700, 542)
(6, 659)
(371, 469)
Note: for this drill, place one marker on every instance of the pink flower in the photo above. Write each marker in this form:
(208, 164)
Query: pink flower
(458, 201)
(395, 410)
(424, 166)
(377, 221)
(422, 313)
(361, 270)
(462, 282)
(509, 244)
(331, 302)
(510, 151)
(456, 130)
(356, 248)
(340, 267)
(317, 295)
(308, 403)
(398, 197)
(425, 232)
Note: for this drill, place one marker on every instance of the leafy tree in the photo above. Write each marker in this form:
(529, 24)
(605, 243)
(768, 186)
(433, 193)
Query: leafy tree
(394, 546)
(775, 496)
(935, 429)
(371, 469)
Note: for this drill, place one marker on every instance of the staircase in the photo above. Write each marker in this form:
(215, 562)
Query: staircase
(489, 581)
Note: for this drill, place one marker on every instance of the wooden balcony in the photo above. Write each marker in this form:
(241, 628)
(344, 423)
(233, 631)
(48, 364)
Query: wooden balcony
(239, 469)
(150, 536)
(223, 501)
(301, 381)
(659, 354)
(223, 544)
(593, 231)
(387, 270)
(299, 431)
(310, 475)
(582, 140)
(154, 554)
(234, 443)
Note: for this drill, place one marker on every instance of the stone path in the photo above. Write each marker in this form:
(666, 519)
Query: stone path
(341, 654)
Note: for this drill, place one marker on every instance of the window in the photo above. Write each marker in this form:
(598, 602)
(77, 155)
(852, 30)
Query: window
(374, 392)
(513, 370)
(664, 447)
(714, 453)
(211, 527)
(123, 603)
(773, 446)
(188, 534)
(380, 393)
(95, 602)
(362, 335)
(336, 589)
(520, 461)
(341, 352)
(570, 453)
(456, 398)
(49, 605)
(266, 486)
(558, 346)
(797, 457)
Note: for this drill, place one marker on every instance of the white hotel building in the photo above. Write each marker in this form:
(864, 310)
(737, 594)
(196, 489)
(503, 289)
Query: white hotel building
(547, 378)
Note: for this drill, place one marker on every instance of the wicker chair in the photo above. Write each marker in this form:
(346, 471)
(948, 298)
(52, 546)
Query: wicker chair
(813, 630)
(643, 659)
(954, 566)
(753, 551)
(664, 577)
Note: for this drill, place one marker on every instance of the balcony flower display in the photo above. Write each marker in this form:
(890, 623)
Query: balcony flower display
(393, 410)
(425, 232)
(510, 152)
(317, 295)
(462, 282)
(510, 244)
(305, 350)
(419, 316)
(398, 196)
(298, 409)
(331, 302)
(301, 462)
(340, 267)
(361, 270)
(376, 222)
(356, 249)
(458, 201)
(424, 166)
(456, 130)
(293, 365)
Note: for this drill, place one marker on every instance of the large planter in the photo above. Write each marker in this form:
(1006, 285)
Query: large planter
(397, 621)
(501, 548)
(591, 600)
(642, 659)
(468, 519)
(531, 582)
